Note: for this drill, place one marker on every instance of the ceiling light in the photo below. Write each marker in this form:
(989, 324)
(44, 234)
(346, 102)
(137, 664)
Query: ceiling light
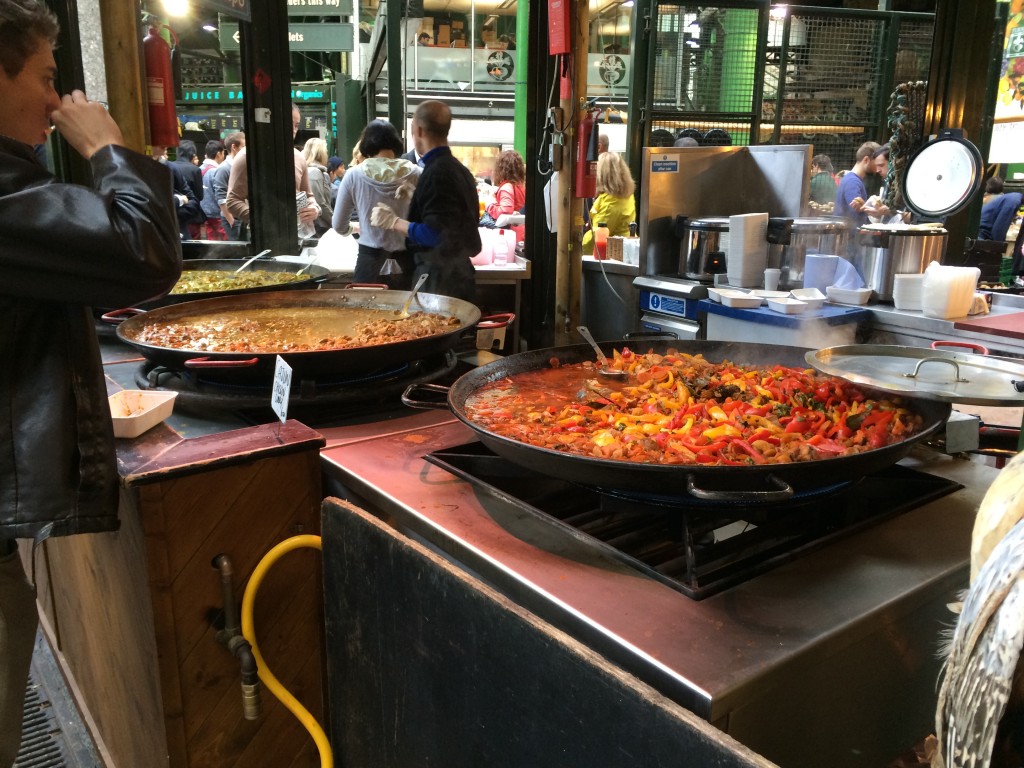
(778, 11)
(209, 27)
(176, 8)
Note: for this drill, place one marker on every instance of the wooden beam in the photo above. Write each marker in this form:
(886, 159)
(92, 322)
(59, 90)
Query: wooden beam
(570, 208)
(122, 59)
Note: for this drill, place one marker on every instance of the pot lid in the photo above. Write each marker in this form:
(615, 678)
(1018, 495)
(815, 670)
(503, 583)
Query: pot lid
(909, 230)
(951, 377)
(942, 176)
(710, 222)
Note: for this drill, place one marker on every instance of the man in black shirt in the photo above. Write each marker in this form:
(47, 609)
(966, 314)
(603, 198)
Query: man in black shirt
(443, 221)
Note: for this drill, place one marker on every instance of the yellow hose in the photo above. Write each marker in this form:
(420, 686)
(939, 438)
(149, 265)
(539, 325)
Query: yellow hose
(266, 676)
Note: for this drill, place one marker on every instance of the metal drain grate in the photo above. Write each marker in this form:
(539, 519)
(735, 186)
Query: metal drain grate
(40, 732)
(53, 732)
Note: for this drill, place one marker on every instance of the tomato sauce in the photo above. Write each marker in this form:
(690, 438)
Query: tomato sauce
(682, 409)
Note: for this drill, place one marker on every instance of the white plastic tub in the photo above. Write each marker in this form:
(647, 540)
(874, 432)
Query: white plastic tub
(787, 306)
(133, 411)
(947, 292)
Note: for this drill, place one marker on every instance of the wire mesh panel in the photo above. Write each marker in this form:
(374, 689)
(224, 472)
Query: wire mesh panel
(832, 69)
(706, 59)
(914, 54)
(827, 76)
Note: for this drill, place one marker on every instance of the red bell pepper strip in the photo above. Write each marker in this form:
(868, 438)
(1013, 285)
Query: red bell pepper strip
(747, 448)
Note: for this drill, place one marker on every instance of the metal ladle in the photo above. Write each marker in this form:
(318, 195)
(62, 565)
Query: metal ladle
(311, 262)
(415, 289)
(259, 255)
(604, 368)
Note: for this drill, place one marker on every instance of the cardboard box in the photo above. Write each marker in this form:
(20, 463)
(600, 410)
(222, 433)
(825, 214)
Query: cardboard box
(444, 35)
(488, 35)
(457, 25)
(458, 44)
(614, 248)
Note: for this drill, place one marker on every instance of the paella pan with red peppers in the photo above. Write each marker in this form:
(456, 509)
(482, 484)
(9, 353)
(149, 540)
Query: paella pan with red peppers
(679, 408)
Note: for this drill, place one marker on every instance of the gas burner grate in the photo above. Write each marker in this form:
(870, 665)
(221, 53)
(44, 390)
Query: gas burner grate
(696, 547)
(309, 396)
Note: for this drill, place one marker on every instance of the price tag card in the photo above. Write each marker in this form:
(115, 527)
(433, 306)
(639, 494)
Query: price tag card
(282, 388)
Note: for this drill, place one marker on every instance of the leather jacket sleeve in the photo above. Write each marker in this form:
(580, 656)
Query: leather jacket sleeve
(112, 244)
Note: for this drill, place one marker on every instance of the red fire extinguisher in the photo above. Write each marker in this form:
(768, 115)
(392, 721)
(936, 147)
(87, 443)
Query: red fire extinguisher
(163, 116)
(586, 156)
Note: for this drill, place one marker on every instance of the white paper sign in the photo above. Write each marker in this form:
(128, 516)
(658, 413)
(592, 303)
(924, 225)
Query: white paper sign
(282, 388)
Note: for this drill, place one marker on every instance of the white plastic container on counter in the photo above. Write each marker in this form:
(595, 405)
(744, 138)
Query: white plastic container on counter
(907, 291)
(947, 292)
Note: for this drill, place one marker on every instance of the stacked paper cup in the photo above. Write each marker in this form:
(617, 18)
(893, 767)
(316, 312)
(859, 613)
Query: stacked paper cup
(748, 250)
(907, 290)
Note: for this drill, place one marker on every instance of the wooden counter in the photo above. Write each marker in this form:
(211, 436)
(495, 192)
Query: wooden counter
(134, 614)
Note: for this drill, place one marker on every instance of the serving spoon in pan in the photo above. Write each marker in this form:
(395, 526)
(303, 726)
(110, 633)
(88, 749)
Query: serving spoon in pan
(259, 255)
(604, 367)
(415, 290)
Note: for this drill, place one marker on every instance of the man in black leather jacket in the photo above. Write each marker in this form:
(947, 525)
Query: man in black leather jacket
(63, 247)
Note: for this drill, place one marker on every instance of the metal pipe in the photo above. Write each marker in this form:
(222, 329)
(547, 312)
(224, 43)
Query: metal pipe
(252, 702)
(232, 622)
(231, 637)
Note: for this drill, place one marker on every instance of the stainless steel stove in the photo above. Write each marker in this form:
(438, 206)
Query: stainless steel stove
(668, 303)
(825, 655)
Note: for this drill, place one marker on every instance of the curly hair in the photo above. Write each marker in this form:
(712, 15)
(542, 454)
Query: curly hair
(24, 26)
(613, 176)
(509, 167)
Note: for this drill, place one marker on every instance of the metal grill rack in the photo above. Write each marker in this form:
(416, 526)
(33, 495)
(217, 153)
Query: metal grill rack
(816, 76)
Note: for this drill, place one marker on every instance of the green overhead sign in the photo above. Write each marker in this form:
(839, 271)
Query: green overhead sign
(319, 7)
(301, 37)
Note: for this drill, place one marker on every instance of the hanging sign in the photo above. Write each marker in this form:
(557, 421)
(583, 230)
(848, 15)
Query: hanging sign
(301, 37)
(236, 9)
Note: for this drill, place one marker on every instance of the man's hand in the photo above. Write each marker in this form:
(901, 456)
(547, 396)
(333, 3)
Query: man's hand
(857, 203)
(86, 125)
(309, 213)
(383, 216)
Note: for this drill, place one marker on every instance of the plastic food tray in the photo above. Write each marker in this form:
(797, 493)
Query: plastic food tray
(787, 306)
(134, 411)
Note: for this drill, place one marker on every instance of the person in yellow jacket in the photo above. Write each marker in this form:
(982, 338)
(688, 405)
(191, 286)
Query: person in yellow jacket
(614, 204)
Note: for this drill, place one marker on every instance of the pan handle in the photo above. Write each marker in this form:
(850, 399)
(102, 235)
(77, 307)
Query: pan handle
(409, 399)
(366, 287)
(976, 348)
(502, 320)
(118, 316)
(650, 336)
(205, 362)
(783, 491)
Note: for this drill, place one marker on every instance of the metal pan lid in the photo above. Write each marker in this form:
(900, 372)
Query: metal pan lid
(951, 377)
(942, 176)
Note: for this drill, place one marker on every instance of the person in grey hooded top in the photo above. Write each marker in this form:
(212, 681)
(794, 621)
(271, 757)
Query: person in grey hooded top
(381, 177)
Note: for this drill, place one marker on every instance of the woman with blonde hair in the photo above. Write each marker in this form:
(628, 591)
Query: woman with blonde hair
(315, 153)
(510, 179)
(614, 205)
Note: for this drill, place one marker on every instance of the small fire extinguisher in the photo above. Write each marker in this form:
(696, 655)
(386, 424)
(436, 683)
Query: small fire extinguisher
(586, 156)
(163, 114)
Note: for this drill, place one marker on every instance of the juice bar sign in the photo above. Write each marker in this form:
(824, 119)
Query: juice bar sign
(301, 37)
(234, 95)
